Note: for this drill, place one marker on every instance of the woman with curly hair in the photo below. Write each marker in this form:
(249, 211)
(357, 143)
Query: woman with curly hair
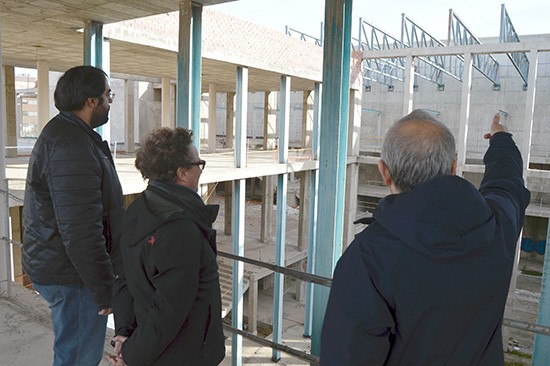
(167, 301)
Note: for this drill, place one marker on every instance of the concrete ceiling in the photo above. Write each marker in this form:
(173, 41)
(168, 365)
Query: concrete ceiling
(47, 30)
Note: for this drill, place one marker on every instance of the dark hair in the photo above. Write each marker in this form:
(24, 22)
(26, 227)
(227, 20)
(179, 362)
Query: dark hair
(164, 151)
(78, 84)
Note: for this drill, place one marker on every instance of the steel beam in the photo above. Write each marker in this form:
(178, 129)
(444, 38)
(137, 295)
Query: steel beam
(312, 238)
(280, 242)
(238, 220)
(333, 147)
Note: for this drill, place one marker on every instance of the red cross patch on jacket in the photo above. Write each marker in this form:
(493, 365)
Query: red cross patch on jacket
(151, 240)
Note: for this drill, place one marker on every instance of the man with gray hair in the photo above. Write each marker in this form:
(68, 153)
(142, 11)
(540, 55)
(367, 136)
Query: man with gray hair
(426, 282)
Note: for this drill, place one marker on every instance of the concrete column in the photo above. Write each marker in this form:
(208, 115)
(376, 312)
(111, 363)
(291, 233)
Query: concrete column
(230, 120)
(529, 108)
(462, 140)
(305, 176)
(252, 304)
(165, 109)
(266, 229)
(43, 75)
(212, 123)
(270, 120)
(352, 172)
(280, 235)
(130, 99)
(5, 260)
(229, 142)
(408, 85)
(228, 207)
(239, 192)
(268, 183)
(11, 119)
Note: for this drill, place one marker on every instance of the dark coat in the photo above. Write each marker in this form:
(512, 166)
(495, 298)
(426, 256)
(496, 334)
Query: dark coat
(73, 209)
(426, 283)
(168, 298)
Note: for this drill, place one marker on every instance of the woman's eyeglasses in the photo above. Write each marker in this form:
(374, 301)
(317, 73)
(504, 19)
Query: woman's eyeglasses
(201, 164)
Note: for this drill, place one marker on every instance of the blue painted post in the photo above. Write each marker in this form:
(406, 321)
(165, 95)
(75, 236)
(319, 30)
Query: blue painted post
(196, 54)
(93, 44)
(280, 243)
(93, 56)
(541, 350)
(183, 114)
(239, 191)
(313, 211)
(343, 144)
(330, 223)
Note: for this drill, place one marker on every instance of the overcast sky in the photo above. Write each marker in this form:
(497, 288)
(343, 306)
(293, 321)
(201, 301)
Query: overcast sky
(482, 17)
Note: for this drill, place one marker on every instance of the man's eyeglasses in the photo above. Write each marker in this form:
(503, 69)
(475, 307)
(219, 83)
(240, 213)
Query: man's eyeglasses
(201, 164)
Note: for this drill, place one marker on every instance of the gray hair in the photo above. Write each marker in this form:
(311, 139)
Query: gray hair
(417, 149)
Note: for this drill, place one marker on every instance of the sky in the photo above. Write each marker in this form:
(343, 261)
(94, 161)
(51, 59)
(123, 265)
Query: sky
(482, 17)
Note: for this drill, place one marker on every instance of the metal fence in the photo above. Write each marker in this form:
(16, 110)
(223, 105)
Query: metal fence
(303, 276)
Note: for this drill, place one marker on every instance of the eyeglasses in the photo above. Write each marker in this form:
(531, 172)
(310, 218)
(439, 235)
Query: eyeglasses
(110, 95)
(201, 164)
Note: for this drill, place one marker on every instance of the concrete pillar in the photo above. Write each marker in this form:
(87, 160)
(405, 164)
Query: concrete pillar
(529, 108)
(266, 229)
(270, 120)
(280, 235)
(230, 120)
(352, 171)
(268, 183)
(305, 176)
(11, 119)
(130, 99)
(5, 260)
(229, 142)
(228, 207)
(212, 123)
(252, 304)
(165, 104)
(408, 85)
(238, 212)
(462, 140)
(43, 77)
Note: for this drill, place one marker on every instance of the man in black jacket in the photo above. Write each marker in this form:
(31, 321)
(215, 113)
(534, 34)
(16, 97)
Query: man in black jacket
(426, 283)
(71, 216)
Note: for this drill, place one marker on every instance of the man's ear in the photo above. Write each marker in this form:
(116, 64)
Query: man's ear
(91, 102)
(383, 169)
(181, 174)
(453, 168)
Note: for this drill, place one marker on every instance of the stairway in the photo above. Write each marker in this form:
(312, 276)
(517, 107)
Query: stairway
(226, 286)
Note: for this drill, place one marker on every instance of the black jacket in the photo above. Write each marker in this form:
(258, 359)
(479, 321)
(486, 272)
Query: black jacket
(72, 210)
(426, 283)
(168, 298)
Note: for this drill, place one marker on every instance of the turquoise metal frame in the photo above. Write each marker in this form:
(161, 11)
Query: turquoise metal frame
(280, 236)
(332, 152)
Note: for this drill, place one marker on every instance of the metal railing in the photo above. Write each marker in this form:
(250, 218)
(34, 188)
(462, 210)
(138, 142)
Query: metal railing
(5, 190)
(325, 281)
(305, 37)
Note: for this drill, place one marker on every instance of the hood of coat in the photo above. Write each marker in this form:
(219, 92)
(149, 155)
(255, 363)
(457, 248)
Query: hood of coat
(162, 202)
(445, 219)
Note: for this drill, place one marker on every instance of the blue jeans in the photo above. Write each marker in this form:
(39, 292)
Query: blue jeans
(79, 330)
